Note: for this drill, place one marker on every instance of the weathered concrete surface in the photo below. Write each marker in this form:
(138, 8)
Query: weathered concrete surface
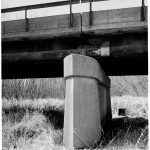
(128, 55)
(85, 101)
(43, 27)
(104, 22)
(115, 20)
(108, 104)
(102, 98)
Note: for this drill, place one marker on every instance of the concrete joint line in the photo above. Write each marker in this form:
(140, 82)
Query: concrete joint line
(89, 77)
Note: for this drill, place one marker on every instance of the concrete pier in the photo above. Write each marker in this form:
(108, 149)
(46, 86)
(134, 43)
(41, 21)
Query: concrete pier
(87, 101)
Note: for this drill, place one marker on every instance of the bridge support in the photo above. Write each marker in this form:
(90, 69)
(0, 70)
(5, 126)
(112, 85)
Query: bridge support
(87, 101)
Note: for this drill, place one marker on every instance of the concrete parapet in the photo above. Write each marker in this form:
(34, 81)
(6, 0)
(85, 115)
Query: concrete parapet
(87, 101)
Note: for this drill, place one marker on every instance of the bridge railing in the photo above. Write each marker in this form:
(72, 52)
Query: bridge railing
(55, 3)
(26, 10)
(51, 4)
(46, 5)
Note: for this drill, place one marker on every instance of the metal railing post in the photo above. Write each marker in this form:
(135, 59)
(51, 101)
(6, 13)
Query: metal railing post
(26, 19)
(71, 15)
(143, 11)
(90, 14)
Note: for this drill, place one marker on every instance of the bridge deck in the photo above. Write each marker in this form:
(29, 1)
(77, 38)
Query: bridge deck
(104, 22)
(30, 47)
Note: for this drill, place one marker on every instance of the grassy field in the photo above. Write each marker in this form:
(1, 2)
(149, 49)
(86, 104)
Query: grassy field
(55, 88)
(38, 124)
(33, 114)
(33, 88)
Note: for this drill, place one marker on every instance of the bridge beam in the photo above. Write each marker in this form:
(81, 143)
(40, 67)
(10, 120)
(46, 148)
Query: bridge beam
(87, 101)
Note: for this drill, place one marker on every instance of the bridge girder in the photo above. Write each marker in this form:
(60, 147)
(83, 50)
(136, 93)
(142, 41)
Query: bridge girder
(116, 38)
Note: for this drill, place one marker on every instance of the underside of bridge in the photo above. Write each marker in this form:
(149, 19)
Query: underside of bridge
(36, 47)
(55, 69)
(124, 54)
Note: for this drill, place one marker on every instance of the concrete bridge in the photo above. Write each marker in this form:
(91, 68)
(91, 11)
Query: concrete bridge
(85, 48)
(116, 38)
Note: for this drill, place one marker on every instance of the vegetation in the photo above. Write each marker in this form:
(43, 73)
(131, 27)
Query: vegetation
(131, 131)
(55, 88)
(135, 106)
(33, 112)
(33, 88)
(129, 85)
(37, 126)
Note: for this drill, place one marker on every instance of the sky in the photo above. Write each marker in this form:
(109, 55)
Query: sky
(58, 10)
(15, 3)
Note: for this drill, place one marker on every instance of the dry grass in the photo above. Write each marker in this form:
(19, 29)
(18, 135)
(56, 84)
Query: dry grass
(135, 106)
(32, 132)
(43, 88)
(38, 104)
(125, 132)
(40, 125)
(40, 88)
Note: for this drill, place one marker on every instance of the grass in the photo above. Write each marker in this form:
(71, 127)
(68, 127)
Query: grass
(32, 132)
(27, 126)
(38, 124)
(43, 88)
(135, 106)
(38, 88)
(126, 133)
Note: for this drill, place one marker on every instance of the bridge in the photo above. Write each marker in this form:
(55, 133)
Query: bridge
(116, 38)
(85, 48)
